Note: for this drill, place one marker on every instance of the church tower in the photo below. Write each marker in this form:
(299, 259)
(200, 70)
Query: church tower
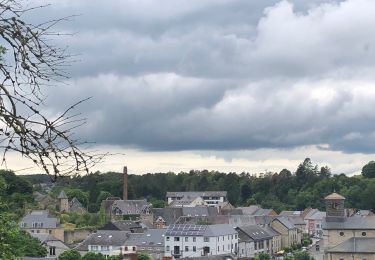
(335, 208)
(63, 202)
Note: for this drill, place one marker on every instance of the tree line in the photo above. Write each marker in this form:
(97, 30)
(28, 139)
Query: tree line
(285, 190)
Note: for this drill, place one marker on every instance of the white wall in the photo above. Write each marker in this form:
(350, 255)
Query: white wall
(218, 245)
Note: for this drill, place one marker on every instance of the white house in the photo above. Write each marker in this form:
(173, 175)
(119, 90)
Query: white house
(186, 240)
(106, 242)
(210, 198)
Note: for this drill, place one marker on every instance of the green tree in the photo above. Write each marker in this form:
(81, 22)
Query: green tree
(93, 256)
(70, 255)
(143, 256)
(368, 170)
(303, 256)
(263, 256)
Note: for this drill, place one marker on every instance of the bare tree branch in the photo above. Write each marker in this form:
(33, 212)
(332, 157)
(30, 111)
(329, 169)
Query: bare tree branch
(28, 63)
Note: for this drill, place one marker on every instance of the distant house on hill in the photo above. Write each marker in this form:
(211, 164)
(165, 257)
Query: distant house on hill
(194, 198)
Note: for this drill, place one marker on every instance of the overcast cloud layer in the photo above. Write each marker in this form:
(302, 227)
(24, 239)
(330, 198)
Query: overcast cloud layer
(222, 75)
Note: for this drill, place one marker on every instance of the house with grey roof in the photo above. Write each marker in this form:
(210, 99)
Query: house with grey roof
(210, 198)
(150, 242)
(53, 245)
(106, 242)
(314, 223)
(131, 208)
(163, 217)
(253, 240)
(188, 240)
(40, 221)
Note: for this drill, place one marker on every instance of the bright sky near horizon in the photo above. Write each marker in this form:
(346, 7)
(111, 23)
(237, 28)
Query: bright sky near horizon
(224, 85)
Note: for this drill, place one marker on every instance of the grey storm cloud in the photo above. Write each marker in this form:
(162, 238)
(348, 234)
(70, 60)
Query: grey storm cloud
(224, 75)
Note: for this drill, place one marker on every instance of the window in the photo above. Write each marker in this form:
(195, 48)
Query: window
(341, 233)
(134, 248)
(186, 239)
(218, 248)
(176, 238)
(194, 248)
(23, 224)
(206, 239)
(167, 238)
(186, 249)
(126, 248)
(38, 231)
(223, 248)
(32, 231)
(105, 248)
(94, 248)
(364, 234)
(223, 238)
(52, 250)
(167, 248)
(194, 239)
(50, 231)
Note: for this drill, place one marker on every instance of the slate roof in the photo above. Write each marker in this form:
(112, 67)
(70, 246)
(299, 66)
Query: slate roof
(317, 215)
(169, 214)
(272, 231)
(219, 230)
(44, 237)
(249, 210)
(352, 223)
(41, 216)
(199, 211)
(123, 225)
(75, 204)
(195, 194)
(255, 232)
(355, 245)
(62, 195)
(150, 238)
(104, 238)
(285, 222)
(296, 220)
(131, 206)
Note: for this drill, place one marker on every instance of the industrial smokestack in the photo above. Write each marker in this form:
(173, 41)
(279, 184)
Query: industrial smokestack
(125, 191)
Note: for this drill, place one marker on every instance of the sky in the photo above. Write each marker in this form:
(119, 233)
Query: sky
(222, 85)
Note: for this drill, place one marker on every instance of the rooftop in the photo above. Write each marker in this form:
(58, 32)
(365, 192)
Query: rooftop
(334, 196)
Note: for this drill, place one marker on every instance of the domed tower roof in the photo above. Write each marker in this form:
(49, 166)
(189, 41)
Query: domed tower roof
(334, 196)
(62, 195)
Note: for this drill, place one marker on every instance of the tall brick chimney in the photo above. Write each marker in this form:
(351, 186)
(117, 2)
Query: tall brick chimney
(125, 191)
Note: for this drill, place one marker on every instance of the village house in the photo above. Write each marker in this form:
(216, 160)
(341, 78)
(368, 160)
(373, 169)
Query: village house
(314, 223)
(106, 242)
(185, 240)
(40, 221)
(253, 240)
(53, 245)
(195, 198)
(150, 242)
